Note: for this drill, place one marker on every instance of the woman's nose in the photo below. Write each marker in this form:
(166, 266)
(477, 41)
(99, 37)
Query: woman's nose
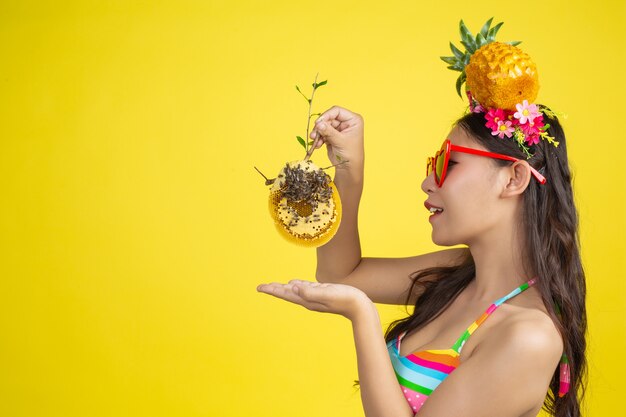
(428, 184)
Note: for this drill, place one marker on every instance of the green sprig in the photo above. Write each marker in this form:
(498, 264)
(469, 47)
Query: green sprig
(308, 145)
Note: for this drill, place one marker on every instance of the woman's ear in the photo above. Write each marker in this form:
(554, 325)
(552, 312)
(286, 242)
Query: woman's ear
(518, 177)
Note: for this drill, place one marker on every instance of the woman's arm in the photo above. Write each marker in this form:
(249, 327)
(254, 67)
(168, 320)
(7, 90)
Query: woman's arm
(344, 137)
(340, 261)
(380, 391)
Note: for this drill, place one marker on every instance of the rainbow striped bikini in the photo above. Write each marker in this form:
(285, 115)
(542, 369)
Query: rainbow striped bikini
(419, 373)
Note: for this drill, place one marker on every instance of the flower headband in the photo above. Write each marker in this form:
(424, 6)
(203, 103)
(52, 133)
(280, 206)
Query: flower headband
(501, 81)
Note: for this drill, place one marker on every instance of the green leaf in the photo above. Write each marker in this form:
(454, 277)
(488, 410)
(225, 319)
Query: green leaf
(311, 142)
(545, 127)
(301, 142)
(456, 51)
(305, 97)
(480, 40)
(485, 29)
(469, 46)
(449, 60)
(459, 83)
(466, 35)
(494, 31)
(514, 43)
(320, 84)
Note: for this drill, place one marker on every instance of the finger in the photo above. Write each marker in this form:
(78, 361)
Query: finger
(329, 133)
(289, 292)
(336, 124)
(283, 291)
(333, 122)
(338, 113)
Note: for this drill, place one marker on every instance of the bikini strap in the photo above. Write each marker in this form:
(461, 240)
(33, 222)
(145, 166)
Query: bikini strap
(458, 346)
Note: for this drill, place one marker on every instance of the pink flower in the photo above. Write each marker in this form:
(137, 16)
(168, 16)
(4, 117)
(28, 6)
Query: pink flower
(532, 139)
(478, 109)
(533, 127)
(494, 116)
(526, 112)
(504, 128)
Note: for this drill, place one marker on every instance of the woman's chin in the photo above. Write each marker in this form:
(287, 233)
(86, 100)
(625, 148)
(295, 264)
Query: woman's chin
(443, 240)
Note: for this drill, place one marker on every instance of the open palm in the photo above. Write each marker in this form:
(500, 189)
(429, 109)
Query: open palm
(323, 297)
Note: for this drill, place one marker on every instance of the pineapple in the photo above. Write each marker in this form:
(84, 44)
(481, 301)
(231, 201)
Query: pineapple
(498, 75)
(304, 202)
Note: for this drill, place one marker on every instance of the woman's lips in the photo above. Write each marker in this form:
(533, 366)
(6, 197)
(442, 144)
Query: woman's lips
(430, 207)
(434, 210)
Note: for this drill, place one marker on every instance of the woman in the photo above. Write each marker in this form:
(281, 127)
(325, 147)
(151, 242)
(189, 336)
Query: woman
(501, 186)
(522, 252)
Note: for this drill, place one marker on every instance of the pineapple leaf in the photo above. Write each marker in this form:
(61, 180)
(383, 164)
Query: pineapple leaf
(465, 33)
(459, 83)
(449, 60)
(485, 29)
(480, 40)
(494, 31)
(456, 51)
(301, 142)
(470, 48)
(514, 43)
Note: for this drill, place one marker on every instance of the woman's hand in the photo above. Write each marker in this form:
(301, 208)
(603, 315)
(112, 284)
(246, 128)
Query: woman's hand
(342, 132)
(327, 298)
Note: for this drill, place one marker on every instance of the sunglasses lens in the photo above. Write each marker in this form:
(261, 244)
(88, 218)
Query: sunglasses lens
(439, 168)
(436, 164)
(439, 164)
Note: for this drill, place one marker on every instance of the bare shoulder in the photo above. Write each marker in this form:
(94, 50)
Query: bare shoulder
(531, 337)
(526, 329)
(514, 365)
(535, 330)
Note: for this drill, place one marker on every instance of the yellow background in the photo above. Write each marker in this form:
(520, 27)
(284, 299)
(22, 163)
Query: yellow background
(134, 229)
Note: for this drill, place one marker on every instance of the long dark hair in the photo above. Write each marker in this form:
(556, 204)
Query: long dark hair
(550, 222)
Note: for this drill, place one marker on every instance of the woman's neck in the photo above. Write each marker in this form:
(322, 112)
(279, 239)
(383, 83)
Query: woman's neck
(499, 265)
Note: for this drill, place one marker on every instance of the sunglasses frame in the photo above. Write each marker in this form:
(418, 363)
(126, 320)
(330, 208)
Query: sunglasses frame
(447, 147)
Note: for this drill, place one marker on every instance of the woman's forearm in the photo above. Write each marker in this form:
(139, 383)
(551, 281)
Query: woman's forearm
(342, 254)
(380, 392)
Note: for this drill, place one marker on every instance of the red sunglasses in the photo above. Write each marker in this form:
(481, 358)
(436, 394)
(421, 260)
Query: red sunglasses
(439, 162)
